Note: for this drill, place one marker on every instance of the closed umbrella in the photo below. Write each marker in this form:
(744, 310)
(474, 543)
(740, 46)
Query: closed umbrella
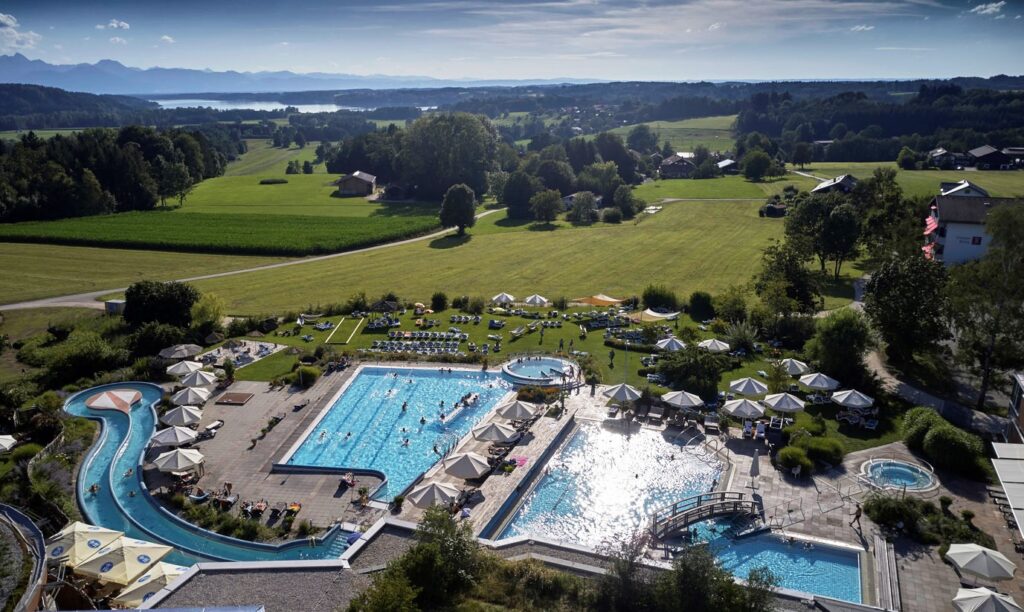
(199, 379)
(623, 393)
(981, 562)
(783, 402)
(181, 351)
(536, 300)
(182, 416)
(748, 386)
(7, 442)
(466, 465)
(743, 409)
(494, 432)
(432, 494)
(179, 460)
(190, 396)
(173, 436)
(852, 399)
(755, 469)
(503, 298)
(148, 584)
(714, 345)
(819, 381)
(984, 600)
(682, 399)
(518, 410)
(794, 367)
(671, 344)
(78, 541)
(123, 560)
(184, 368)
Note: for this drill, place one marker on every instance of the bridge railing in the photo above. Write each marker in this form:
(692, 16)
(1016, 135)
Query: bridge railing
(666, 512)
(704, 512)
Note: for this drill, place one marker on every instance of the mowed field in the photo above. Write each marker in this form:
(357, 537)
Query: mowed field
(999, 183)
(262, 158)
(724, 187)
(715, 133)
(688, 246)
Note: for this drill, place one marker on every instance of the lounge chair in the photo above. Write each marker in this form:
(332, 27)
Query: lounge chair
(518, 332)
(760, 432)
(871, 424)
(748, 429)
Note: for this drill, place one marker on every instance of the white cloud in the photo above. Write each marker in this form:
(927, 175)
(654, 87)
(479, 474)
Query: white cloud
(117, 40)
(862, 28)
(1017, 17)
(283, 43)
(12, 38)
(167, 39)
(1000, 16)
(114, 24)
(990, 8)
(716, 26)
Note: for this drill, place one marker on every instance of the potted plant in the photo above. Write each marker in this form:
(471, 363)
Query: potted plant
(364, 495)
(397, 502)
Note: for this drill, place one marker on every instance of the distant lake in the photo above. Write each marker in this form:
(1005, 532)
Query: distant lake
(252, 105)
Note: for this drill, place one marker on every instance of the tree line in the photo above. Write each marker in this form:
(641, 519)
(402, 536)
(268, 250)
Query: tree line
(99, 171)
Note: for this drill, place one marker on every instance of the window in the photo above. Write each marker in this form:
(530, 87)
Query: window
(976, 240)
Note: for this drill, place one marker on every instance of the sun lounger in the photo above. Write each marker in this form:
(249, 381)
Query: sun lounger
(518, 332)
(748, 429)
(871, 424)
(759, 434)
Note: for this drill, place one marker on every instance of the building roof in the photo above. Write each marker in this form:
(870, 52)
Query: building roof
(360, 175)
(725, 163)
(982, 151)
(937, 152)
(959, 187)
(954, 209)
(846, 180)
(1014, 151)
(677, 158)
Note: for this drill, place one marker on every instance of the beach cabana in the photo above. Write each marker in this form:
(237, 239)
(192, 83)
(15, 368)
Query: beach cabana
(77, 542)
(148, 584)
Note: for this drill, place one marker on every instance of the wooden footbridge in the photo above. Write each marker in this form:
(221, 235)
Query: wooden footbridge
(671, 520)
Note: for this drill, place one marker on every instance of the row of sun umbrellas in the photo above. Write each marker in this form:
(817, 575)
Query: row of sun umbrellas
(987, 564)
(112, 557)
(508, 298)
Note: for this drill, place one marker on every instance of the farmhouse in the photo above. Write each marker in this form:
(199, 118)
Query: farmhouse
(356, 184)
(1015, 155)
(955, 230)
(962, 188)
(843, 184)
(678, 165)
(987, 157)
(941, 158)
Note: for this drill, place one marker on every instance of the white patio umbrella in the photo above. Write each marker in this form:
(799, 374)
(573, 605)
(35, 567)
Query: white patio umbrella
(518, 410)
(743, 409)
(184, 368)
(173, 436)
(494, 432)
(794, 367)
(199, 379)
(755, 469)
(190, 396)
(671, 344)
(714, 345)
(432, 494)
(503, 298)
(78, 541)
(852, 399)
(981, 562)
(623, 393)
(181, 351)
(466, 465)
(748, 386)
(682, 399)
(819, 381)
(182, 416)
(783, 402)
(123, 560)
(536, 300)
(984, 600)
(7, 443)
(179, 460)
(148, 584)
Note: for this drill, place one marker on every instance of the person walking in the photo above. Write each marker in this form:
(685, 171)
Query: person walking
(856, 516)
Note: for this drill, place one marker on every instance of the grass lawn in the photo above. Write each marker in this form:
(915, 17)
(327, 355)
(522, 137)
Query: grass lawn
(20, 324)
(999, 183)
(715, 133)
(717, 188)
(688, 246)
(262, 158)
(33, 271)
(17, 134)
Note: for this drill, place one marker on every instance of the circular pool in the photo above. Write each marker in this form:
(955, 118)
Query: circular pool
(541, 371)
(895, 474)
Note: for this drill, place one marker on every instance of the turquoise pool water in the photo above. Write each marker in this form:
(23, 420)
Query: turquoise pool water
(370, 408)
(899, 475)
(538, 368)
(120, 448)
(604, 483)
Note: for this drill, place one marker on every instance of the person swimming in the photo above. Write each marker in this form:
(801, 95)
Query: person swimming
(405, 442)
(323, 434)
(423, 420)
(442, 417)
(404, 430)
(404, 406)
(128, 473)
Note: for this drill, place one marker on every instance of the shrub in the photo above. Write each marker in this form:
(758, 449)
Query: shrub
(660, 296)
(25, 452)
(305, 529)
(273, 181)
(152, 337)
(793, 456)
(742, 335)
(536, 395)
(891, 511)
(438, 301)
(460, 302)
(304, 376)
(916, 424)
(475, 306)
(701, 306)
(967, 515)
(826, 450)
(949, 447)
(612, 215)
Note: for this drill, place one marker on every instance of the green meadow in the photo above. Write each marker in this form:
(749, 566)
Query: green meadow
(999, 183)
(715, 133)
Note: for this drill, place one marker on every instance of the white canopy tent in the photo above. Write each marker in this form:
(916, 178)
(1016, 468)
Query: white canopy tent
(536, 300)
(714, 345)
(504, 298)
(652, 315)
(671, 344)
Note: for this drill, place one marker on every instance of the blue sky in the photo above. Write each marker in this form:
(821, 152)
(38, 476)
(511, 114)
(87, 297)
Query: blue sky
(603, 39)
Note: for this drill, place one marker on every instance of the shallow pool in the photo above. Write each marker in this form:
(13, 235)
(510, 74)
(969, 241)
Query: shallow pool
(893, 474)
(604, 483)
(537, 370)
(365, 428)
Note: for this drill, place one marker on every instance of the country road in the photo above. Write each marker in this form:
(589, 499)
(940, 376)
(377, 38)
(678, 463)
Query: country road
(89, 300)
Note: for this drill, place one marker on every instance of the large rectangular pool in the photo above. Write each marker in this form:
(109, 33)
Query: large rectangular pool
(366, 427)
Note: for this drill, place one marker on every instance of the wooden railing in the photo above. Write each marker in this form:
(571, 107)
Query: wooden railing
(670, 520)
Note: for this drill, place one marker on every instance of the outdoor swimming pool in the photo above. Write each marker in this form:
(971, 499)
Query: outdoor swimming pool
(894, 474)
(537, 370)
(604, 483)
(370, 408)
(123, 440)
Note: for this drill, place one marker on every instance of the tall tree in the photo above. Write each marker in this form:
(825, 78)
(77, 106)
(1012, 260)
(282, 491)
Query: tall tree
(516, 194)
(755, 165)
(557, 175)
(546, 205)
(642, 138)
(441, 150)
(905, 300)
(802, 154)
(839, 344)
(458, 208)
(584, 209)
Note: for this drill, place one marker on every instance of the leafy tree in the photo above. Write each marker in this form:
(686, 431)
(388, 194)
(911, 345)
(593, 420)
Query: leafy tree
(905, 300)
(907, 159)
(584, 209)
(519, 188)
(987, 302)
(438, 301)
(890, 223)
(660, 296)
(667, 150)
(307, 167)
(706, 170)
(802, 154)
(169, 303)
(292, 167)
(390, 590)
(153, 337)
(600, 178)
(612, 149)
(442, 150)
(784, 274)
(701, 154)
(702, 307)
(838, 131)
(557, 175)
(444, 563)
(642, 138)
(496, 184)
(300, 139)
(778, 379)
(825, 226)
(458, 209)
(581, 152)
(546, 205)
(841, 235)
(755, 165)
(625, 201)
(696, 370)
(731, 305)
(839, 344)
(207, 312)
(698, 583)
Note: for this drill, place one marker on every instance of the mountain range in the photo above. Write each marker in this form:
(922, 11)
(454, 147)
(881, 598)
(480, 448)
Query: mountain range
(112, 77)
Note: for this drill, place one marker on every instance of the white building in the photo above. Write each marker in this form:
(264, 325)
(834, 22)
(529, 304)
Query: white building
(955, 230)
